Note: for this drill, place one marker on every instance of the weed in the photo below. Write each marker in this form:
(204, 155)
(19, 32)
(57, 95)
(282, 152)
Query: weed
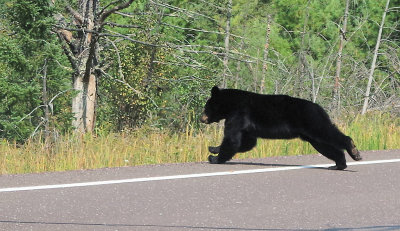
(145, 146)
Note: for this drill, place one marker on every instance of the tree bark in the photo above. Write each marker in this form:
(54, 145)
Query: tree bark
(84, 103)
(371, 72)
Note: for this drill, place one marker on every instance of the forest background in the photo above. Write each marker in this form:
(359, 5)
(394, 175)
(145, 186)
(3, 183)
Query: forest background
(79, 74)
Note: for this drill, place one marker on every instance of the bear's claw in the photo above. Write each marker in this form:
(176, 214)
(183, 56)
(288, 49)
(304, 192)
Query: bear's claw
(355, 154)
(336, 167)
(213, 159)
(357, 157)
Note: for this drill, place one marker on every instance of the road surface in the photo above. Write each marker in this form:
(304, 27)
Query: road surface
(276, 193)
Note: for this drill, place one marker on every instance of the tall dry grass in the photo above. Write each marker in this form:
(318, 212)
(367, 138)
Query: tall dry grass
(146, 146)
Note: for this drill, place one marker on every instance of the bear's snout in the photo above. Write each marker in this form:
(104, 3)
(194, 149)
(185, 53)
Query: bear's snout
(204, 118)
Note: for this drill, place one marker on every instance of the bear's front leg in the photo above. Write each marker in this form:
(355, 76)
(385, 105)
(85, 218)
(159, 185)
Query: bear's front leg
(226, 151)
(213, 159)
(338, 167)
(214, 150)
(230, 143)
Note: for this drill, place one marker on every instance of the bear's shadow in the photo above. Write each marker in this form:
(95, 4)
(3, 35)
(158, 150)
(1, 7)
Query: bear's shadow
(280, 165)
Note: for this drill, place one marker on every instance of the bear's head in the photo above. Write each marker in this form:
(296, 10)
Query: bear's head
(214, 108)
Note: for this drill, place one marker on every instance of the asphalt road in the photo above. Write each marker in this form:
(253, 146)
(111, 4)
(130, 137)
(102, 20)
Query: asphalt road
(275, 193)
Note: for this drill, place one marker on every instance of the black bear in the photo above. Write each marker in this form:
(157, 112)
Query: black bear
(250, 115)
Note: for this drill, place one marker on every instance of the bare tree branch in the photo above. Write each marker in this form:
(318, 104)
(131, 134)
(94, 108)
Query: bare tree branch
(200, 30)
(186, 12)
(121, 25)
(107, 13)
(108, 5)
(75, 14)
(68, 52)
(118, 59)
(81, 29)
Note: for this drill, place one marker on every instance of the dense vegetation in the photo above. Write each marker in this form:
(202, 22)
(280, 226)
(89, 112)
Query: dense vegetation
(153, 62)
(158, 59)
(72, 152)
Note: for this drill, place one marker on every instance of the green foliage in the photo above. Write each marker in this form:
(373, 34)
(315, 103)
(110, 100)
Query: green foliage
(15, 99)
(166, 85)
(135, 90)
(25, 44)
(31, 18)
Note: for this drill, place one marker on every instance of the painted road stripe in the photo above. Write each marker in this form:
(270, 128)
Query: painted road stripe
(187, 176)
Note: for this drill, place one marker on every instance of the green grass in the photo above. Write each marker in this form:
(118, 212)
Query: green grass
(145, 146)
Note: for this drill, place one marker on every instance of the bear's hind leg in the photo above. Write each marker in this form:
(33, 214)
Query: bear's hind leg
(336, 138)
(352, 150)
(341, 141)
(332, 153)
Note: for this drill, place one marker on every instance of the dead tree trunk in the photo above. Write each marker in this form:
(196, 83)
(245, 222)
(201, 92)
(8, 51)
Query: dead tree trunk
(256, 72)
(227, 35)
(84, 79)
(238, 67)
(266, 50)
(300, 80)
(371, 72)
(342, 31)
(81, 45)
(45, 99)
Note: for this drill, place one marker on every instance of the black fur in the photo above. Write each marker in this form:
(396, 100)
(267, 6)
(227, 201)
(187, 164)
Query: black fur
(249, 116)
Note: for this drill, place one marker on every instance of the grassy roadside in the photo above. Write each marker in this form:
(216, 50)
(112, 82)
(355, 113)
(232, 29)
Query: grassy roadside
(371, 132)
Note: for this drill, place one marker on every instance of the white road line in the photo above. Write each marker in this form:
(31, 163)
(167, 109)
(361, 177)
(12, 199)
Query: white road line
(187, 176)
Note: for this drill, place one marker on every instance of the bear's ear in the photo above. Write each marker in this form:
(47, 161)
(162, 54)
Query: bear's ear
(214, 91)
